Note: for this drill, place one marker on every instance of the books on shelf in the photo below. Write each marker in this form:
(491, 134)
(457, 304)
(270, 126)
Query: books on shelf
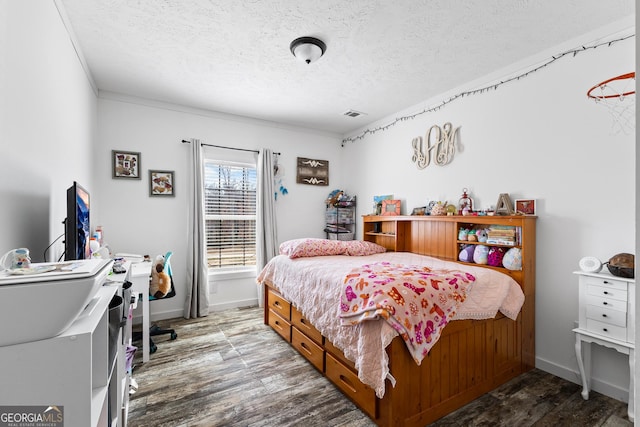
(503, 235)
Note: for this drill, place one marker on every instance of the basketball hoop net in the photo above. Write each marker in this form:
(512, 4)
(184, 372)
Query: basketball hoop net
(617, 95)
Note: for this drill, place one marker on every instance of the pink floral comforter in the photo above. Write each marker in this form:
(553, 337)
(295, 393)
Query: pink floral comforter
(417, 301)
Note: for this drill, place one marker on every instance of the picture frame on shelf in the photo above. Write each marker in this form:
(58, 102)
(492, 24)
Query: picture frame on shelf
(161, 183)
(390, 207)
(125, 164)
(377, 202)
(525, 206)
(419, 211)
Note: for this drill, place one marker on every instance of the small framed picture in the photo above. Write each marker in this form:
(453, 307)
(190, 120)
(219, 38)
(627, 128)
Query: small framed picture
(125, 164)
(419, 211)
(525, 206)
(390, 207)
(161, 183)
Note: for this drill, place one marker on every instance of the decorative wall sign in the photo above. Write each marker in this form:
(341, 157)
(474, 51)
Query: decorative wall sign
(125, 164)
(161, 183)
(438, 145)
(312, 172)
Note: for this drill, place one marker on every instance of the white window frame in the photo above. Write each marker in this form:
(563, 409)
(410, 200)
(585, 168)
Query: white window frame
(231, 272)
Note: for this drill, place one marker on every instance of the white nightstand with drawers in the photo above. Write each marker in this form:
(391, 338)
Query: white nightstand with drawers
(606, 317)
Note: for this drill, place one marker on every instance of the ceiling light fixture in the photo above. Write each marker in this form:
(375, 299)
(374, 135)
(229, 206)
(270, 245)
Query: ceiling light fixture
(307, 49)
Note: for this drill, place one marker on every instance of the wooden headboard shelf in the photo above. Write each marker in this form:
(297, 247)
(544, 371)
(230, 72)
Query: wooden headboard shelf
(437, 236)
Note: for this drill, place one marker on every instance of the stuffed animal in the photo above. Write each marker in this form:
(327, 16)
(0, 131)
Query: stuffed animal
(334, 197)
(160, 282)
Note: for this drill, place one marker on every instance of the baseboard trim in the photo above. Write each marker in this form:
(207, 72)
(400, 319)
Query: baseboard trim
(175, 313)
(603, 387)
(162, 315)
(251, 302)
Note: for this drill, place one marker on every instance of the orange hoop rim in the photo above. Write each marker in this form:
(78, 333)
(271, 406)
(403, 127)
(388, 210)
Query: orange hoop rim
(621, 77)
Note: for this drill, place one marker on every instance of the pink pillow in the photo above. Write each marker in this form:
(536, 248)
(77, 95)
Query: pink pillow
(310, 247)
(362, 248)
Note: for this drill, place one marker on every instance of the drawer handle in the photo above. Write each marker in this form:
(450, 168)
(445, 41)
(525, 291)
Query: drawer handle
(605, 282)
(606, 293)
(605, 303)
(605, 329)
(348, 383)
(604, 315)
(276, 303)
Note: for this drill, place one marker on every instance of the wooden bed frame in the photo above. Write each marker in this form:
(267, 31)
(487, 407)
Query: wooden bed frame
(471, 358)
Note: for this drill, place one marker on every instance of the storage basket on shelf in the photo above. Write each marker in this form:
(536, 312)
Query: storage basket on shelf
(340, 236)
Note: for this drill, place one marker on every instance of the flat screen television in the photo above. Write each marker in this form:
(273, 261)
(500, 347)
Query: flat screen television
(77, 228)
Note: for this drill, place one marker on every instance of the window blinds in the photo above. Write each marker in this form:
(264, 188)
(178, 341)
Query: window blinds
(230, 214)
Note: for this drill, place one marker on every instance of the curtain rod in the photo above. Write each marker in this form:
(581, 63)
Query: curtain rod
(184, 141)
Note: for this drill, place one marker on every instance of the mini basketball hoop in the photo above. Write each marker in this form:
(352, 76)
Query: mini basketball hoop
(617, 95)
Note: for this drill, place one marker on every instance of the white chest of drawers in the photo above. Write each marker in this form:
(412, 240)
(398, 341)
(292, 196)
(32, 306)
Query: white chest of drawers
(606, 317)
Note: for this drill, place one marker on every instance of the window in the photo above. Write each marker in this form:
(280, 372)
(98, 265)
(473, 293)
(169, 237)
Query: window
(230, 215)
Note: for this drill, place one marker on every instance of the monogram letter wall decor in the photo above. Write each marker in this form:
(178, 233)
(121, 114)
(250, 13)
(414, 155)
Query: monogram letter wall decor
(438, 145)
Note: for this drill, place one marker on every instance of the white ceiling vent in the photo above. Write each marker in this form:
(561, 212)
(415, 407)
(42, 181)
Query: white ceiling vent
(353, 113)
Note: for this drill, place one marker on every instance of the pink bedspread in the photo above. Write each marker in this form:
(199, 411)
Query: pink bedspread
(314, 286)
(416, 301)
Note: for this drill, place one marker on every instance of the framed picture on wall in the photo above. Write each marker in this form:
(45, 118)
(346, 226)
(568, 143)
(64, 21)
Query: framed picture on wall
(312, 172)
(390, 207)
(526, 206)
(161, 183)
(125, 164)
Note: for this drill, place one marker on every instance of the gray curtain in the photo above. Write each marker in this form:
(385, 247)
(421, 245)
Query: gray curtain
(197, 298)
(267, 236)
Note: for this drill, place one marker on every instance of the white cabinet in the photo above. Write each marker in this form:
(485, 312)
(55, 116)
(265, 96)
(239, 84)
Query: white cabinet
(80, 371)
(606, 317)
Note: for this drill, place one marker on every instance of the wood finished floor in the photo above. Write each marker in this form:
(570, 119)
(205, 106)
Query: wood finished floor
(226, 370)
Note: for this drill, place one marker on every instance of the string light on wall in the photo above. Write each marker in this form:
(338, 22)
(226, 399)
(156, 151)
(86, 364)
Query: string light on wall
(493, 86)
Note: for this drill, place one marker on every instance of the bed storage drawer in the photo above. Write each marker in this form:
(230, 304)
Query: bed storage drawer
(280, 325)
(309, 349)
(279, 305)
(338, 354)
(347, 381)
(304, 326)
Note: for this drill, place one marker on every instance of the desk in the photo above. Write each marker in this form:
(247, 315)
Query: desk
(138, 275)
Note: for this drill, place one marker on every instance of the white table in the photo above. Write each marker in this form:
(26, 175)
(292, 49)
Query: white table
(138, 275)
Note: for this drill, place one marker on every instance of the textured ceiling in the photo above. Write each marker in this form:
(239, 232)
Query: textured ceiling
(382, 56)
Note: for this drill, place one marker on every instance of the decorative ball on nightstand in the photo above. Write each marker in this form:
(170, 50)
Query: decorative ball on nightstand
(622, 265)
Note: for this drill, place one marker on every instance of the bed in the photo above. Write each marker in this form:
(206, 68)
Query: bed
(486, 334)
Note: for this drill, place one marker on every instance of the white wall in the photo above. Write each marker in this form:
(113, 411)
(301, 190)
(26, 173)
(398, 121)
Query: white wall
(137, 223)
(539, 137)
(549, 141)
(47, 126)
